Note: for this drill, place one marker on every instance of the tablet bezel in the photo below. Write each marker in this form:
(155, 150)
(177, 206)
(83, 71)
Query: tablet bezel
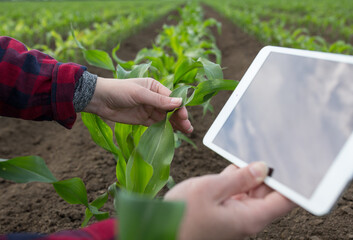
(331, 186)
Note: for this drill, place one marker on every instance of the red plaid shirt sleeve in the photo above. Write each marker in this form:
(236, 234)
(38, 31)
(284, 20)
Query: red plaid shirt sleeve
(35, 86)
(104, 230)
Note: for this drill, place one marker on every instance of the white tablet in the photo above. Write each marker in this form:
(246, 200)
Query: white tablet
(293, 109)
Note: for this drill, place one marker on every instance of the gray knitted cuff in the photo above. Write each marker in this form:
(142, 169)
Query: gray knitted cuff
(84, 89)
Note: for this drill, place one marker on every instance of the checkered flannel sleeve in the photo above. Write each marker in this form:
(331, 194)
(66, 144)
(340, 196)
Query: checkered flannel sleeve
(35, 86)
(104, 230)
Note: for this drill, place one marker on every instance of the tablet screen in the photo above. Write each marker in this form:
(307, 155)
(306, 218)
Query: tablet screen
(296, 115)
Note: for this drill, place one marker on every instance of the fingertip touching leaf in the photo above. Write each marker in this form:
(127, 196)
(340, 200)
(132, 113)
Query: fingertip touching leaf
(182, 92)
(205, 90)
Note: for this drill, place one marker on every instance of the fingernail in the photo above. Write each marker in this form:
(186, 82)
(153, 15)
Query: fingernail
(176, 100)
(259, 170)
(191, 128)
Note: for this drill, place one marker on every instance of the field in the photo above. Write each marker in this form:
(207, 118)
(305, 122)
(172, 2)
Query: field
(247, 26)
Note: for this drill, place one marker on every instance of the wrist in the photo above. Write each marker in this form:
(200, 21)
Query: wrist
(84, 90)
(95, 101)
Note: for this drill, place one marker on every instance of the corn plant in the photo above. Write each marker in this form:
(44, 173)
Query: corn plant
(143, 155)
(33, 169)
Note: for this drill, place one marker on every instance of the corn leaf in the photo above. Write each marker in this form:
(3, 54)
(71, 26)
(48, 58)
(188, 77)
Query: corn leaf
(138, 173)
(26, 169)
(120, 169)
(140, 70)
(124, 64)
(207, 89)
(147, 53)
(98, 203)
(144, 218)
(212, 70)
(99, 59)
(181, 136)
(122, 131)
(100, 132)
(148, 167)
(157, 147)
(137, 131)
(121, 72)
(183, 67)
(183, 93)
(72, 190)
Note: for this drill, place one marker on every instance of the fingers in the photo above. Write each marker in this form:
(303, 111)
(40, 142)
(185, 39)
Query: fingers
(147, 97)
(179, 121)
(157, 87)
(153, 94)
(273, 206)
(233, 181)
(260, 191)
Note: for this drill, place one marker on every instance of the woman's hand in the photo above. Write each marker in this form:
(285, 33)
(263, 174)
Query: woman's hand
(137, 101)
(230, 205)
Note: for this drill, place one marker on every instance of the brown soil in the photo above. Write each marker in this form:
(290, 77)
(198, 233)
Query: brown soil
(36, 207)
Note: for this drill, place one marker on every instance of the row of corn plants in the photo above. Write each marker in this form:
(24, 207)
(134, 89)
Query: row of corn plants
(322, 26)
(46, 25)
(180, 60)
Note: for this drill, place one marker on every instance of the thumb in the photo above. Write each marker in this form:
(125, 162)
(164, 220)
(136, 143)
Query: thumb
(158, 100)
(234, 181)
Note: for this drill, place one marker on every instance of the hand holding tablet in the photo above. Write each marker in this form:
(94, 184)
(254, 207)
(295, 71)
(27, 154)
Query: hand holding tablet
(293, 109)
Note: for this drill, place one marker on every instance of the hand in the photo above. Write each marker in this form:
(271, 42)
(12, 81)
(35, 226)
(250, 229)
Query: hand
(230, 205)
(137, 101)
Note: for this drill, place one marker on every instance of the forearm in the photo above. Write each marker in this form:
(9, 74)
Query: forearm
(35, 86)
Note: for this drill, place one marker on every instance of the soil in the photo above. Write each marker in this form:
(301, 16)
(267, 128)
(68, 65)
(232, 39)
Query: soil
(35, 207)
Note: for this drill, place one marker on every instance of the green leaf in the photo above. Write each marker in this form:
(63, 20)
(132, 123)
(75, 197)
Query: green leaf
(149, 165)
(185, 138)
(184, 67)
(98, 214)
(114, 53)
(171, 183)
(114, 192)
(207, 107)
(124, 64)
(140, 70)
(98, 203)
(213, 71)
(182, 92)
(207, 89)
(72, 190)
(74, 36)
(158, 64)
(26, 169)
(121, 72)
(157, 148)
(138, 173)
(147, 53)
(99, 59)
(137, 132)
(100, 132)
(120, 169)
(143, 218)
(212, 22)
(122, 131)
